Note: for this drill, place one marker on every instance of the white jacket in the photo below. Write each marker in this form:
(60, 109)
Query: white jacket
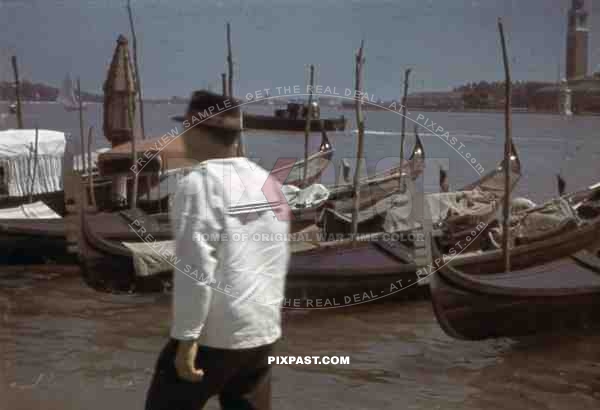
(232, 252)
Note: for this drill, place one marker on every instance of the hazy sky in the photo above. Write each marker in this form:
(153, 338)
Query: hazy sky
(182, 42)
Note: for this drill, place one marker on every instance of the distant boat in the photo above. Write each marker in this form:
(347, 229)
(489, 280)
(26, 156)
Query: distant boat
(66, 96)
(13, 108)
(293, 118)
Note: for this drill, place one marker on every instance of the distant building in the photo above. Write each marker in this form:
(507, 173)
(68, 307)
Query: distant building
(577, 40)
(585, 96)
(436, 100)
(583, 90)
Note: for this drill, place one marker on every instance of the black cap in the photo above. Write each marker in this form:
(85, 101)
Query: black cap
(214, 110)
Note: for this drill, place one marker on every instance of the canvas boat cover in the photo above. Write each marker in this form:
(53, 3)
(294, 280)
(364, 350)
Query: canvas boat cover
(396, 210)
(550, 219)
(310, 197)
(151, 258)
(36, 210)
(16, 161)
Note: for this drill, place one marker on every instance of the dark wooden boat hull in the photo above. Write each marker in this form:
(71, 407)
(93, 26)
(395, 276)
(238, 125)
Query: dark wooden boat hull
(588, 258)
(268, 122)
(350, 272)
(473, 300)
(465, 314)
(338, 269)
(54, 200)
(29, 241)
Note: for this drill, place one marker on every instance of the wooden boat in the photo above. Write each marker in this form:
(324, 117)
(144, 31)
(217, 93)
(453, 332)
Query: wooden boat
(111, 262)
(545, 298)
(287, 120)
(380, 185)
(540, 295)
(32, 233)
(481, 206)
(21, 176)
(317, 163)
(268, 122)
(588, 258)
(378, 263)
(376, 266)
(475, 204)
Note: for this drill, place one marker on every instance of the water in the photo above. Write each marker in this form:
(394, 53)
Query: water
(64, 346)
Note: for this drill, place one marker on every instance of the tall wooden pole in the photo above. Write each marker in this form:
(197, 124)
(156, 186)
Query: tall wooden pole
(229, 62)
(403, 130)
(507, 150)
(309, 115)
(138, 76)
(81, 134)
(224, 84)
(131, 120)
(360, 124)
(90, 171)
(17, 92)
(35, 165)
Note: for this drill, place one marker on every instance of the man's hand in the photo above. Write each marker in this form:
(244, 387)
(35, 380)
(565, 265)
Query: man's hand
(185, 361)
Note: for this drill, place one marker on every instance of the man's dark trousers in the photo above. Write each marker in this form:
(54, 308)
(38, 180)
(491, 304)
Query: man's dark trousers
(241, 378)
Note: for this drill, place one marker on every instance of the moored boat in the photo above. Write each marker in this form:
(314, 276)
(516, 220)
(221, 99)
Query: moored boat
(268, 122)
(32, 233)
(474, 300)
(293, 118)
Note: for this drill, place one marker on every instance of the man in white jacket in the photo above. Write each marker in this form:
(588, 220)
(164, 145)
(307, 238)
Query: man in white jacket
(230, 230)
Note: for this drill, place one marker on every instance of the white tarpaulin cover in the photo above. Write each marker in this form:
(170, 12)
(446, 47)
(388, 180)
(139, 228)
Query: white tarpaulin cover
(310, 197)
(36, 210)
(17, 164)
(474, 202)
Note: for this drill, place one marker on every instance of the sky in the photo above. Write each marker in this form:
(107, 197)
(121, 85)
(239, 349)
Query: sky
(182, 42)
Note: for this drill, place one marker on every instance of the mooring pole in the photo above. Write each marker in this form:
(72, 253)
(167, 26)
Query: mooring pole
(17, 92)
(507, 150)
(360, 124)
(309, 114)
(138, 76)
(403, 130)
(81, 132)
(229, 62)
(224, 84)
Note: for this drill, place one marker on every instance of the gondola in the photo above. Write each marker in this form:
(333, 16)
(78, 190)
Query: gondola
(327, 269)
(588, 258)
(380, 185)
(380, 263)
(473, 300)
(32, 233)
(455, 213)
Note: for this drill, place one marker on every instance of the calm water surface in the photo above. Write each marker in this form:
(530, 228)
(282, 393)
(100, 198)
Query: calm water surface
(64, 346)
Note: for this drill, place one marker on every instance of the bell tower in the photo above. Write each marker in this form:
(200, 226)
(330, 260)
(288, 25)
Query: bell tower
(577, 40)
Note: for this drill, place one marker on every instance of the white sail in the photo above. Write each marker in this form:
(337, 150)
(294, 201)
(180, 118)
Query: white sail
(66, 95)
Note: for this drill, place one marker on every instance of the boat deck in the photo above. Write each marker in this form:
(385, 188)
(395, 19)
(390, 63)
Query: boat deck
(559, 278)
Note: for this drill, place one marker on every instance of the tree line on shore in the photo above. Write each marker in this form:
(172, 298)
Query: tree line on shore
(38, 92)
(475, 95)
